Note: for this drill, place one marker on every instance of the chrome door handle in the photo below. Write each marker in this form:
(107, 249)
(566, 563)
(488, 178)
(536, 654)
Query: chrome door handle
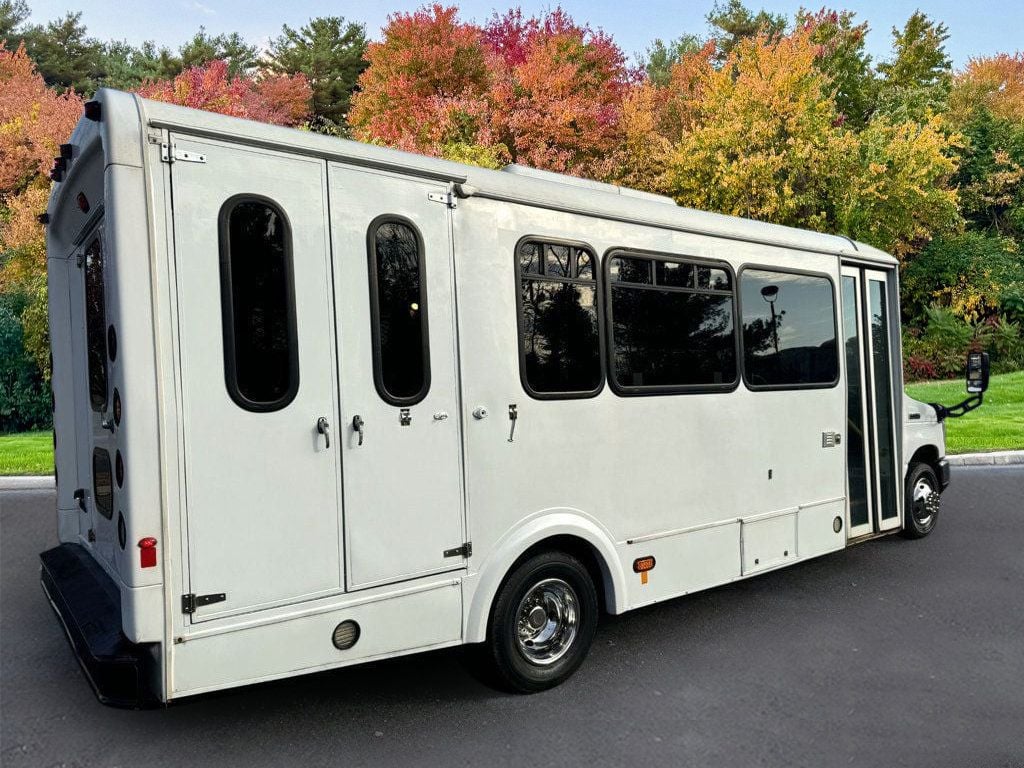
(108, 424)
(324, 428)
(357, 425)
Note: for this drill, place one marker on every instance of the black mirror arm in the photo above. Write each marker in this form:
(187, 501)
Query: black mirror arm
(956, 411)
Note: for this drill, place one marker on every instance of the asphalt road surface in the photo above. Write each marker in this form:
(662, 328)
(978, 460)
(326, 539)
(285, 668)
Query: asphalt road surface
(893, 653)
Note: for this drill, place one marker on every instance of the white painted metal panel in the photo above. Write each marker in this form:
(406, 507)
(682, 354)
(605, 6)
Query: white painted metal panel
(769, 541)
(416, 620)
(685, 562)
(263, 522)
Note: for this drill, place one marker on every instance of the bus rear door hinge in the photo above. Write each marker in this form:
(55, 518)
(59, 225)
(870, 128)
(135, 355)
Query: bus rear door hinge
(466, 550)
(190, 602)
(169, 153)
(442, 197)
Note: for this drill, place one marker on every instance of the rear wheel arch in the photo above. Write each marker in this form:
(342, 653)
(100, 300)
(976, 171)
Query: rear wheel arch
(560, 532)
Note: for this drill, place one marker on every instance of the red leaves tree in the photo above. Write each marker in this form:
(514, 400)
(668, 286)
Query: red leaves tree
(543, 91)
(278, 99)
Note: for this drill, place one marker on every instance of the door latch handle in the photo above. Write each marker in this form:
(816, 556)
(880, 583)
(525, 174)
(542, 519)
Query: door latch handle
(357, 425)
(513, 416)
(324, 428)
(79, 496)
(108, 424)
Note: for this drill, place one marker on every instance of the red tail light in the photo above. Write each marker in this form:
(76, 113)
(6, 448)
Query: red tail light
(147, 552)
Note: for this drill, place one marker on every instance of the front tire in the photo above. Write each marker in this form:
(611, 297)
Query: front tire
(921, 502)
(542, 624)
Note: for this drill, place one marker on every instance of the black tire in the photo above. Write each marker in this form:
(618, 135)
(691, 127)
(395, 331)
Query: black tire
(921, 502)
(554, 582)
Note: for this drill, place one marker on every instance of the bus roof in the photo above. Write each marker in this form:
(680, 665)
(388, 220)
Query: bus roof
(513, 183)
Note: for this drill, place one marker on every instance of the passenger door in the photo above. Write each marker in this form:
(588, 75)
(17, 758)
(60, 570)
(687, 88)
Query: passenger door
(400, 433)
(873, 476)
(258, 377)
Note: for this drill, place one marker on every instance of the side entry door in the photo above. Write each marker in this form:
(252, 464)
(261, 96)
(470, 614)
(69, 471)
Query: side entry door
(400, 433)
(873, 476)
(258, 377)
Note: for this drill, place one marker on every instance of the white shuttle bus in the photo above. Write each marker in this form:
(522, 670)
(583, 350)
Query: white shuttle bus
(319, 403)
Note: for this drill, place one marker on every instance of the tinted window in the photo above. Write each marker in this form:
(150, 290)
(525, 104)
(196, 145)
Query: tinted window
(789, 329)
(668, 334)
(883, 396)
(95, 325)
(559, 332)
(260, 351)
(399, 303)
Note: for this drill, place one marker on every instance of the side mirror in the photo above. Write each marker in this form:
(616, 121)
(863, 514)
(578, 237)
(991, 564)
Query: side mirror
(977, 372)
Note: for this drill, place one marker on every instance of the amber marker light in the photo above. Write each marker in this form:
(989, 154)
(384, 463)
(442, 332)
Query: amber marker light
(643, 565)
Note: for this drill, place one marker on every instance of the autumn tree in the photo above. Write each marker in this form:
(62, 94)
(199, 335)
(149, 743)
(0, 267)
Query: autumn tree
(426, 85)
(760, 140)
(842, 57)
(557, 90)
(278, 99)
(34, 121)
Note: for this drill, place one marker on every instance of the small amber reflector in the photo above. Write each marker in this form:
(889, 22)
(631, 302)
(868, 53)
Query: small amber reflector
(643, 564)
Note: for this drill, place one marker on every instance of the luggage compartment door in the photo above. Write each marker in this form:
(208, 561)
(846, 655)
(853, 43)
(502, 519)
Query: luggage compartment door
(258, 378)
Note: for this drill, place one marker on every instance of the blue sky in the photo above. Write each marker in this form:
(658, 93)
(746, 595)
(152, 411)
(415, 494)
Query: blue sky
(976, 28)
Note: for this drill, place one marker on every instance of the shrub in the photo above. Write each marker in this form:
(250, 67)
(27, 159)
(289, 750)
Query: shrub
(24, 396)
(972, 274)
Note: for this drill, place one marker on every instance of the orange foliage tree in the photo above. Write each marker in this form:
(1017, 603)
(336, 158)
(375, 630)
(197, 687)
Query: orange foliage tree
(34, 122)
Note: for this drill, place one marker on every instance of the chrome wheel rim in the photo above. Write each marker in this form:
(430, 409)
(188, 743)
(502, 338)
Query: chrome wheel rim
(547, 621)
(925, 502)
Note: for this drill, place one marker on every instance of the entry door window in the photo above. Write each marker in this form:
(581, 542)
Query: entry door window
(856, 443)
(882, 388)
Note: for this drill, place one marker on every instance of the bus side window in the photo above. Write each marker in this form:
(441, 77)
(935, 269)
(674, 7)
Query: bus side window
(559, 325)
(398, 307)
(672, 327)
(789, 330)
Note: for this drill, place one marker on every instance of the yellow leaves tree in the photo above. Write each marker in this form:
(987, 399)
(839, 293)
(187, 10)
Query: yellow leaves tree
(898, 197)
(760, 138)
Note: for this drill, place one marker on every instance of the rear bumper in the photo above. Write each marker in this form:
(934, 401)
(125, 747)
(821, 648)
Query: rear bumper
(88, 604)
(943, 468)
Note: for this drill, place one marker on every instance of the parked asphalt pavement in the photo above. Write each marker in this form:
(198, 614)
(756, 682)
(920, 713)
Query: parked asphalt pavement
(892, 653)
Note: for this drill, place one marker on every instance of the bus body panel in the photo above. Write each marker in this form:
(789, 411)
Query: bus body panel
(714, 485)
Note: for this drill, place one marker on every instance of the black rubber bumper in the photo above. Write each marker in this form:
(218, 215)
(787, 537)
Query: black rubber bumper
(88, 604)
(943, 474)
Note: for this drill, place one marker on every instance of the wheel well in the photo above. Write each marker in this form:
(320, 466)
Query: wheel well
(583, 551)
(926, 454)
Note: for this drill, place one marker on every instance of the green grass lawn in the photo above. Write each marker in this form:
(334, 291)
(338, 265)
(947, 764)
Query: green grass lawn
(997, 426)
(27, 453)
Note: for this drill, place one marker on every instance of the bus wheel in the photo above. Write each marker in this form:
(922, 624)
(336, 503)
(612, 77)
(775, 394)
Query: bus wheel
(543, 623)
(921, 508)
